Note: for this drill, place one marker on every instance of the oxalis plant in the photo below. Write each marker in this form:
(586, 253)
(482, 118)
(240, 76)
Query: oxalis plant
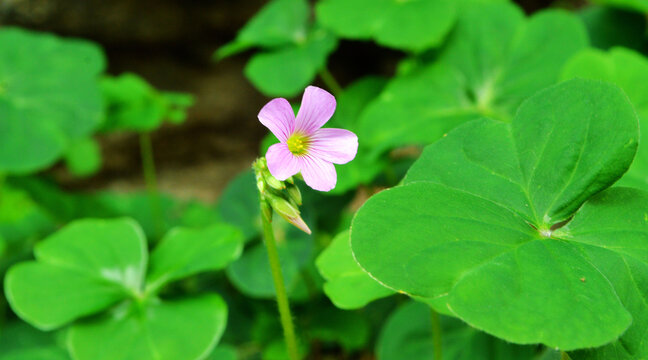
(305, 148)
(515, 229)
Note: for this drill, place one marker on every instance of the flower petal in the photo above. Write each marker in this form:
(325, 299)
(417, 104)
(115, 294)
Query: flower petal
(278, 116)
(316, 109)
(317, 173)
(338, 146)
(281, 162)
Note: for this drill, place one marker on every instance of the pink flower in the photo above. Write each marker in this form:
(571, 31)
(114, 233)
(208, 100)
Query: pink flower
(304, 146)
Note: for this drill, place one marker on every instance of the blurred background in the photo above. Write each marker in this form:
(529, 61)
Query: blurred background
(170, 43)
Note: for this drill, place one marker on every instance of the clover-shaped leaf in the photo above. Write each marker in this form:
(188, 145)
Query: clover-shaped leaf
(98, 267)
(49, 96)
(133, 104)
(629, 70)
(492, 61)
(347, 285)
(409, 25)
(294, 49)
(488, 201)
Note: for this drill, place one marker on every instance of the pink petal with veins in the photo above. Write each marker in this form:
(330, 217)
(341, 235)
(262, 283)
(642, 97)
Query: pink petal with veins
(316, 109)
(338, 146)
(278, 116)
(317, 173)
(281, 162)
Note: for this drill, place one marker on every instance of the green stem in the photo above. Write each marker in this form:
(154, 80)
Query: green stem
(148, 166)
(436, 335)
(564, 356)
(280, 289)
(330, 81)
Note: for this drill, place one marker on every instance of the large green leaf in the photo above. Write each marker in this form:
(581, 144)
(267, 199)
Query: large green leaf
(158, 330)
(407, 334)
(409, 25)
(493, 60)
(184, 252)
(617, 219)
(49, 95)
(485, 202)
(347, 285)
(629, 70)
(82, 269)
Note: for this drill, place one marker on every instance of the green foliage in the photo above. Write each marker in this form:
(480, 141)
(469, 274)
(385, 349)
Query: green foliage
(609, 27)
(488, 201)
(493, 60)
(347, 285)
(99, 267)
(83, 157)
(407, 334)
(49, 97)
(294, 49)
(134, 105)
(408, 25)
(629, 70)
(637, 5)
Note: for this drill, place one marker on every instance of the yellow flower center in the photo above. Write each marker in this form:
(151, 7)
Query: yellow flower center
(298, 144)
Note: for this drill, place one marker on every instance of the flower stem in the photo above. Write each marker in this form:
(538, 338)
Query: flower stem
(148, 166)
(330, 81)
(436, 335)
(280, 288)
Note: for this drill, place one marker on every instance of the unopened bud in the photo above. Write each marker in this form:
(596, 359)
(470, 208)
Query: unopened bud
(260, 185)
(282, 206)
(294, 194)
(273, 182)
(298, 222)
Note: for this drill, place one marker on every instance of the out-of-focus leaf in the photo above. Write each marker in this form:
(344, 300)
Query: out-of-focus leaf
(223, 352)
(49, 96)
(132, 104)
(407, 334)
(23, 342)
(83, 157)
(280, 22)
(409, 25)
(637, 5)
(348, 328)
(347, 285)
(287, 70)
(609, 27)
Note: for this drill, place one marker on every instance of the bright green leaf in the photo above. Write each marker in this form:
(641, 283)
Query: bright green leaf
(629, 70)
(158, 330)
(183, 252)
(347, 285)
(484, 202)
(80, 270)
(493, 60)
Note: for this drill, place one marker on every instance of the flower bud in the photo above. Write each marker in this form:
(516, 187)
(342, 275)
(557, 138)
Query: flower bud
(282, 206)
(294, 193)
(272, 181)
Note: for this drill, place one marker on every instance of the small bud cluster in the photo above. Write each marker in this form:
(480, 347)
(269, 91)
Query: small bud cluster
(283, 197)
